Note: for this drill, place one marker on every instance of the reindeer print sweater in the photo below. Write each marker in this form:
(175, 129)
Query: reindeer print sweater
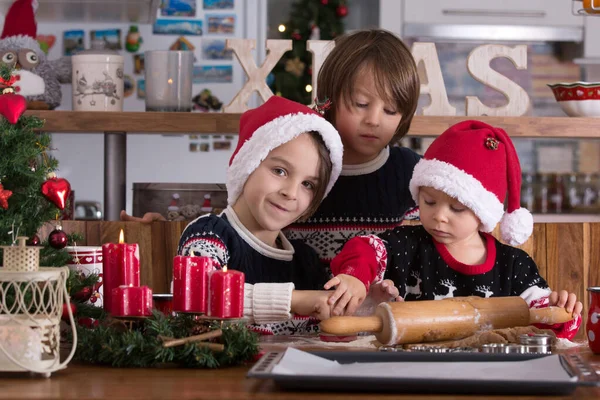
(423, 269)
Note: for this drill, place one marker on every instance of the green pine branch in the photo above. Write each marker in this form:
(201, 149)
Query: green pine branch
(112, 344)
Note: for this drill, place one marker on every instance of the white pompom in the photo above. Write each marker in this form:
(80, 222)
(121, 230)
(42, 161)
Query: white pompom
(516, 227)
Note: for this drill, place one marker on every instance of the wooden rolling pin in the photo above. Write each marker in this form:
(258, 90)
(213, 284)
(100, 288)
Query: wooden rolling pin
(452, 318)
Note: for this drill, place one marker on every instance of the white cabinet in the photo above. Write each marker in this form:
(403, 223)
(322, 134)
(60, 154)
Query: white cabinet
(504, 12)
(110, 11)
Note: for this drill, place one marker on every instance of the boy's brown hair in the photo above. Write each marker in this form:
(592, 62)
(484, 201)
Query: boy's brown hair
(325, 167)
(392, 63)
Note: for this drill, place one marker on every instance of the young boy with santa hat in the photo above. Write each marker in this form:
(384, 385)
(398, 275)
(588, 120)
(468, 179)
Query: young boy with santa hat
(460, 186)
(287, 159)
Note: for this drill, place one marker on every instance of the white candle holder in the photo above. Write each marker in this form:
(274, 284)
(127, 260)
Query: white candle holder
(29, 323)
(168, 77)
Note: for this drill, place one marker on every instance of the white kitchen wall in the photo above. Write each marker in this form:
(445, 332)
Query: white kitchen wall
(152, 158)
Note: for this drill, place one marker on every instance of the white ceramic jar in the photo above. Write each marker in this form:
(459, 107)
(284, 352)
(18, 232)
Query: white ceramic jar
(97, 81)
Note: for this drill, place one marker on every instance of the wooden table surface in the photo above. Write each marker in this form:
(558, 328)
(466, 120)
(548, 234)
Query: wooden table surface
(92, 382)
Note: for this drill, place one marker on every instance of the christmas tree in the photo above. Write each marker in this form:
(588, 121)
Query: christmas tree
(309, 19)
(30, 192)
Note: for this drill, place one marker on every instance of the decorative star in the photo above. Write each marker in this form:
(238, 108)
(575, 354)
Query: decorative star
(4, 195)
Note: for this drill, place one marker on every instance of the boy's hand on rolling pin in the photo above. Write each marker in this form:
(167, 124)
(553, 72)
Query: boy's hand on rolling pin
(384, 291)
(314, 303)
(566, 300)
(349, 294)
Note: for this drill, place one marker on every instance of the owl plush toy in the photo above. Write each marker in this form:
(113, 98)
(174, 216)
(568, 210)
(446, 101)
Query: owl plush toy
(36, 78)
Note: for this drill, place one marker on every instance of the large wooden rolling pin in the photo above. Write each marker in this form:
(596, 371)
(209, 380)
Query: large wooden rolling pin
(452, 318)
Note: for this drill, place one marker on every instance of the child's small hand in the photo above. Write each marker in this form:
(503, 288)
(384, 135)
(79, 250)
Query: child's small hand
(348, 295)
(566, 300)
(384, 291)
(314, 303)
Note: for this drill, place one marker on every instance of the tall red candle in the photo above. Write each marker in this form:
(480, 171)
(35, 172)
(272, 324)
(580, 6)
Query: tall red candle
(120, 266)
(131, 301)
(190, 283)
(226, 298)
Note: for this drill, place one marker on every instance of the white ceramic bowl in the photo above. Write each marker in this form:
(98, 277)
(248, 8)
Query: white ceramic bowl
(578, 99)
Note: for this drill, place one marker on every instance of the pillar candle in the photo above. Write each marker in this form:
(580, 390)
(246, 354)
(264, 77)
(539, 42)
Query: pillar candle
(226, 298)
(190, 283)
(131, 301)
(120, 266)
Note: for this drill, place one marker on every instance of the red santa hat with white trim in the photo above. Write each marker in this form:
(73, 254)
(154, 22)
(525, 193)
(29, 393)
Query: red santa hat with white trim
(20, 27)
(267, 127)
(477, 164)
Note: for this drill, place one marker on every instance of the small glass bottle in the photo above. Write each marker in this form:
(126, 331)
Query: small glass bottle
(589, 192)
(572, 193)
(541, 194)
(527, 193)
(556, 194)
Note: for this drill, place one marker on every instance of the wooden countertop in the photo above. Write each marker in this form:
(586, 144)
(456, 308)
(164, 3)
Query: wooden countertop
(218, 123)
(91, 382)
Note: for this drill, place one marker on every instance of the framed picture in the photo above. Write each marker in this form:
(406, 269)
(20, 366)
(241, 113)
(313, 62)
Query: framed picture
(178, 27)
(218, 4)
(221, 24)
(178, 8)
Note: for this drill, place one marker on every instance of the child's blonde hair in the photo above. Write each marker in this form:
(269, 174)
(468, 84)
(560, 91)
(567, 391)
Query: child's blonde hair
(392, 64)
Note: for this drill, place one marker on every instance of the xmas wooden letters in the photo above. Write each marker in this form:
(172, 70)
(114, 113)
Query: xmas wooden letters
(425, 54)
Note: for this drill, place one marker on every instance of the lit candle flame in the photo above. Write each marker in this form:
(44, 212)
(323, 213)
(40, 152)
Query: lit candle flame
(170, 81)
(121, 237)
(225, 268)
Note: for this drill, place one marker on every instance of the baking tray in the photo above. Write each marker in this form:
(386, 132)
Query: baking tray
(573, 364)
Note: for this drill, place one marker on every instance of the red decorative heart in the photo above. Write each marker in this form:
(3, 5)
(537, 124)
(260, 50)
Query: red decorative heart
(56, 190)
(12, 106)
(48, 39)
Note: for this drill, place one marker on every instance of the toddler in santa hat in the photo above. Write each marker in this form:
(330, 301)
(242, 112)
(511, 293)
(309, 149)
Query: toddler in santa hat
(460, 186)
(286, 161)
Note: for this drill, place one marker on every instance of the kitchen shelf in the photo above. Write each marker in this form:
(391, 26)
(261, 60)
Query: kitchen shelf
(218, 123)
(108, 11)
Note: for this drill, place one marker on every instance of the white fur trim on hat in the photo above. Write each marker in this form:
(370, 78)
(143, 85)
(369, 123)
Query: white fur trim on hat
(272, 135)
(460, 185)
(22, 42)
(516, 227)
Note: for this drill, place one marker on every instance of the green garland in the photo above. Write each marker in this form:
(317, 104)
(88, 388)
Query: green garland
(113, 344)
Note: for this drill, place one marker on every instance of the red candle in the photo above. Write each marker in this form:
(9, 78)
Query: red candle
(131, 301)
(163, 303)
(226, 294)
(120, 266)
(190, 283)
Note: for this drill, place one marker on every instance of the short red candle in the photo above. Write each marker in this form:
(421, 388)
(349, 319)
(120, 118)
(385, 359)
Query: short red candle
(131, 301)
(190, 283)
(226, 289)
(163, 303)
(120, 266)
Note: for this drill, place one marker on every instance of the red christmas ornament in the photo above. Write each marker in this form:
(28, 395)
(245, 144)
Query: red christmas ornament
(12, 106)
(56, 190)
(65, 310)
(58, 238)
(4, 196)
(324, 2)
(33, 241)
(341, 11)
(84, 294)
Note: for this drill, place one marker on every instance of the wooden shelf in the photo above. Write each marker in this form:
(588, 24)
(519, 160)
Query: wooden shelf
(218, 123)
(110, 11)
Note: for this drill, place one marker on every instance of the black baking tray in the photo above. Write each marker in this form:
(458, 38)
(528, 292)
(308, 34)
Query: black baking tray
(573, 364)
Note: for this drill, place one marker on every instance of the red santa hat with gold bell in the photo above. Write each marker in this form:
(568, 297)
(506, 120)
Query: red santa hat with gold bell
(477, 164)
